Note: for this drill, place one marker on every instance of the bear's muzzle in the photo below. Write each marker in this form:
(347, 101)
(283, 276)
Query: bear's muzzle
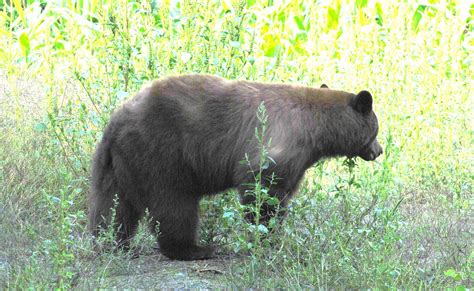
(372, 151)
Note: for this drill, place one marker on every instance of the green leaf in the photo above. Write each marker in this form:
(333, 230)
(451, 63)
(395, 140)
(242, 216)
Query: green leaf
(25, 43)
(273, 50)
(272, 201)
(40, 127)
(379, 18)
(452, 274)
(227, 5)
(228, 214)
(417, 16)
(333, 18)
(282, 16)
(235, 44)
(19, 9)
(251, 60)
(262, 228)
(394, 273)
(251, 3)
(299, 22)
(59, 45)
(361, 3)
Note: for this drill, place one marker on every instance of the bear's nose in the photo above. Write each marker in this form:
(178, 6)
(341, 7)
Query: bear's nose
(380, 152)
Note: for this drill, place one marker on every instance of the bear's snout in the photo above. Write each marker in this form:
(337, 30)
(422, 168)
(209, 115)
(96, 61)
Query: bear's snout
(372, 151)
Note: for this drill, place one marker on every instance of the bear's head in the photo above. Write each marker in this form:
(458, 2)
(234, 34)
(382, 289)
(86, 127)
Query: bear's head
(366, 129)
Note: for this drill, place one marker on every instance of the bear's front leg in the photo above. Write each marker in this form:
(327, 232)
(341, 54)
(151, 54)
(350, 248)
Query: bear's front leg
(268, 209)
(177, 214)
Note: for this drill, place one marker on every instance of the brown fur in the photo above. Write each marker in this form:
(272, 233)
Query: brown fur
(184, 137)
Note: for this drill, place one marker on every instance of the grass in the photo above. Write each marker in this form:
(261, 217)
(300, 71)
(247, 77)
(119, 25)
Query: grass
(403, 222)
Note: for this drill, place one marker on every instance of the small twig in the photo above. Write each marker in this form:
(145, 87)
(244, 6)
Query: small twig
(209, 270)
(80, 79)
(65, 154)
(375, 199)
(76, 155)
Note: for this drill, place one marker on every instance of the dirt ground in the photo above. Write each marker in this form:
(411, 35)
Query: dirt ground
(156, 271)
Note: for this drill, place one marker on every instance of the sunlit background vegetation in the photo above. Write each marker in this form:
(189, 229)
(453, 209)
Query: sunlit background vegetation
(405, 221)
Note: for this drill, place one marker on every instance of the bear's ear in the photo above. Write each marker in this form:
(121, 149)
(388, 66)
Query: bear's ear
(324, 86)
(362, 102)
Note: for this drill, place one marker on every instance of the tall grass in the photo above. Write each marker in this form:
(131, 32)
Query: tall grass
(405, 221)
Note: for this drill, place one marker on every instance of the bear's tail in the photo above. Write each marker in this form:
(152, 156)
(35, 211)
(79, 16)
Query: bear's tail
(104, 185)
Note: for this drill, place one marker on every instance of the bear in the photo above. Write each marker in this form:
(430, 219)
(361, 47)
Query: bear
(185, 136)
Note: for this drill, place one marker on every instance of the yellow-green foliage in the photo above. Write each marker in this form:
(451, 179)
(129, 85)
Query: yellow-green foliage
(416, 59)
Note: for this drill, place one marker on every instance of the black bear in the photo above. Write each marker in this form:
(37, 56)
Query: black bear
(185, 137)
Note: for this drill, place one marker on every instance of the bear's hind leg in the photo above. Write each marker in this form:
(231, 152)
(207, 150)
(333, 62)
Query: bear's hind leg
(125, 222)
(178, 222)
(99, 213)
(127, 218)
